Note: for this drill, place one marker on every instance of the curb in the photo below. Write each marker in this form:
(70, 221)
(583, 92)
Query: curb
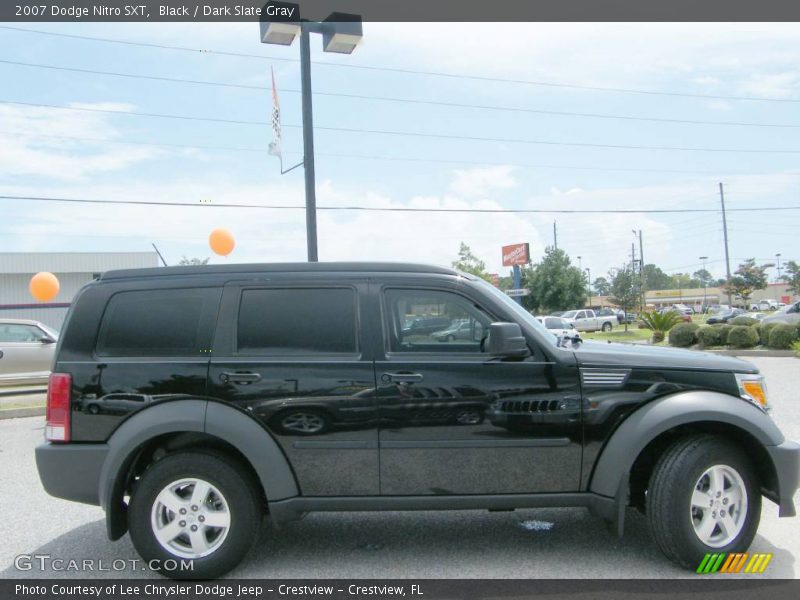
(16, 413)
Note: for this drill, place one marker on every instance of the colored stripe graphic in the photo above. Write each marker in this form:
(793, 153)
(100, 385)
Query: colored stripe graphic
(733, 562)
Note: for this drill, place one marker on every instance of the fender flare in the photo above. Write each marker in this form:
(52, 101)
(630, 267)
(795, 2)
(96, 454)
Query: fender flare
(610, 475)
(230, 424)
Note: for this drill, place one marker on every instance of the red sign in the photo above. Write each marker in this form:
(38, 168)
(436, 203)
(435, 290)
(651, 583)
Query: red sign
(516, 254)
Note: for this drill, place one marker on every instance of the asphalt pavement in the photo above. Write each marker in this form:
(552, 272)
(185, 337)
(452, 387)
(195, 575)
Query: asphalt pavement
(536, 543)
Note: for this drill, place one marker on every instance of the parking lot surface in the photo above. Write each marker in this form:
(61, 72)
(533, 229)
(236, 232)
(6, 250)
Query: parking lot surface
(540, 543)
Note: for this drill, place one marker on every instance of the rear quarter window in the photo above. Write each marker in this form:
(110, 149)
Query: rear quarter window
(175, 322)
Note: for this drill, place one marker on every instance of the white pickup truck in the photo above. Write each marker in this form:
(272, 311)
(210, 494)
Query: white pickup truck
(587, 320)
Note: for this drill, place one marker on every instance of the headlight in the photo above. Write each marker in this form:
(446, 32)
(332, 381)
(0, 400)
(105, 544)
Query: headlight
(754, 389)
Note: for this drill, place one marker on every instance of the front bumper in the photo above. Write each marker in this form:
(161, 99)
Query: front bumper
(71, 471)
(786, 458)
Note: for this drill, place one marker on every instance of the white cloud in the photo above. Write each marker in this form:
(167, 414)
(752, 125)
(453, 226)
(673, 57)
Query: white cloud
(45, 151)
(480, 181)
(772, 85)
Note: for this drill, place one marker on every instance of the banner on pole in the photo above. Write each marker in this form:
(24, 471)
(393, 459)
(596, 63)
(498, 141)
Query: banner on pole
(275, 144)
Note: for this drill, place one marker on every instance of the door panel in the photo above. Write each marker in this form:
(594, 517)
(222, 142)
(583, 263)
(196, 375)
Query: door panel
(296, 360)
(454, 422)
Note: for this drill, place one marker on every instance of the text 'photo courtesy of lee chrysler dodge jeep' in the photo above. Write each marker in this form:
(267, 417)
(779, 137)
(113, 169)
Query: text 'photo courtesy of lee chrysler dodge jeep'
(193, 402)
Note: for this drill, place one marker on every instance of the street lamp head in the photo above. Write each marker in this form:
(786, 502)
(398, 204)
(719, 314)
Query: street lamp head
(341, 33)
(280, 23)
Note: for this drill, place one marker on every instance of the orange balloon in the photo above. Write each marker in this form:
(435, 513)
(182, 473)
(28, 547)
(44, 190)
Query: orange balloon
(221, 241)
(44, 286)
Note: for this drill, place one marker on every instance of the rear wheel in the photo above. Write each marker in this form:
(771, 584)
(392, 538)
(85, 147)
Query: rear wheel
(606, 326)
(703, 497)
(198, 508)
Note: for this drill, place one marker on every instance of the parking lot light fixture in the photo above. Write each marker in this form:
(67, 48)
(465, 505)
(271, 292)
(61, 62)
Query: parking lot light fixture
(341, 33)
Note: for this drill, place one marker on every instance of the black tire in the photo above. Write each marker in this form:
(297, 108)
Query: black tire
(607, 326)
(240, 492)
(669, 497)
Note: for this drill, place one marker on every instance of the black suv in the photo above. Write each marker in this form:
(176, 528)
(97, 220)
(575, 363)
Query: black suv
(189, 402)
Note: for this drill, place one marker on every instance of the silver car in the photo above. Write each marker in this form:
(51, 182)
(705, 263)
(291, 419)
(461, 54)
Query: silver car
(789, 314)
(26, 351)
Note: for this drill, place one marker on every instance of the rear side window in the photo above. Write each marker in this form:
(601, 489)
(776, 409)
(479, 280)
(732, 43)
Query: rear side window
(297, 321)
(175, 322)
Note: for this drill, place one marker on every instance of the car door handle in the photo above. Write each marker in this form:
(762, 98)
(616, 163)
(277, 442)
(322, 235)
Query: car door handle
(401, 377)
(239, 377)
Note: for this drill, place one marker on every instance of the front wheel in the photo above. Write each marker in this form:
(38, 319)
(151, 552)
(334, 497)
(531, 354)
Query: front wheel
(197, 509)
(703, 497)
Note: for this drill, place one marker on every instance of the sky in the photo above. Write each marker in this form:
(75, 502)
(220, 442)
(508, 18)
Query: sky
(539, 146)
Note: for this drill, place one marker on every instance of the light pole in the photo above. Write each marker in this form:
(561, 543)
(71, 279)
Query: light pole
(589, 281)
(341, 33)
(705, 281)
(778, 257)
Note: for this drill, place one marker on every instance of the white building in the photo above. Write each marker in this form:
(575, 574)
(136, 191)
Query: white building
(73, 269)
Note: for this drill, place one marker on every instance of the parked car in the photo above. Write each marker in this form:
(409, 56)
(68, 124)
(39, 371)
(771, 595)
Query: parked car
(768, 304)
(26, 351)
(725, 315)
(587, 320)
(685, 317)
(426, 325)
(227, 353)
(788, 314)
(683, 309)
(463, 329)
(559, 327)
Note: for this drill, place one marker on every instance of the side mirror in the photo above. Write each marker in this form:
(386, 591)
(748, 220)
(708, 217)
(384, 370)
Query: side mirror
(506, 340)
(46, 339)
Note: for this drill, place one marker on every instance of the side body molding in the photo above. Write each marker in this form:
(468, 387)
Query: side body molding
(612, 468)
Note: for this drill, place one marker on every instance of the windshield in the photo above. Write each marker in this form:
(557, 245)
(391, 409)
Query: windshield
(523, 314)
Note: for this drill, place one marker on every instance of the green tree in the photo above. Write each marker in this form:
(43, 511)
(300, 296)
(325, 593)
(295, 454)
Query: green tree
(792, 276)
(655, 278)
(704, 277)
(683, 281)
(193, 261)
(601, 286)
(469, 263)
(748, 278)
(625, 288)
(554, 283)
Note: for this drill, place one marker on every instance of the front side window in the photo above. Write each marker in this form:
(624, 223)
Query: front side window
(173, 322)
(297, 321)
(434, 321)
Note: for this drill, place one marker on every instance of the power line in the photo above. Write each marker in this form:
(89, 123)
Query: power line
(370, 157)
(400, 209)
(415, 133)
(443, 74)
(516, 109)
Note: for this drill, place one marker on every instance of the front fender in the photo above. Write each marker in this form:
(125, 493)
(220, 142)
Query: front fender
(611, 470)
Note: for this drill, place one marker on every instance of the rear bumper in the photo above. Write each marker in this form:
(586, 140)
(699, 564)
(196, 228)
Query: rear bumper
(71, 471)
(786, 458)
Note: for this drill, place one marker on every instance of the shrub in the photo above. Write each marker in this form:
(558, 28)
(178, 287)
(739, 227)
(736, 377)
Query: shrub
(796, 348)
(742, 320)
(782, 336)
(724, 330)
(764, 331)
(709, 336)
(683, 335)
(742, 336)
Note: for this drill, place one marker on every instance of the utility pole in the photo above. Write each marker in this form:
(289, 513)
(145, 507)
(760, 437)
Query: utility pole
(778, 257)
(725, 236)
(589, 279)
(555, 235)
(308, 142)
